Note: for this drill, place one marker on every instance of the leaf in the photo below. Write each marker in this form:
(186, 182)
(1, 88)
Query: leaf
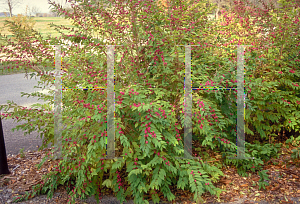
(88, 113)
(117, 164)
(124, 141)
(182, 183)
(225, 181)
(260, 116)
(135, 171)
(107, 183)
(94, 172)
(162, 174)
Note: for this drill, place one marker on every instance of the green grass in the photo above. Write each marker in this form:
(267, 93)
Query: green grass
(45, 20)
(41, 25)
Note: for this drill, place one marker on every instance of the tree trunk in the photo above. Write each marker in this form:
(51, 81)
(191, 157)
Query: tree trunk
(10, 9)
(3, 158)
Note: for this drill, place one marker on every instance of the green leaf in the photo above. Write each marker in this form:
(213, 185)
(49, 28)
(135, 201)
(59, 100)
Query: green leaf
(135, 171)
(94, 172)
(124, 141)
(117, 164)
(107, 183)
(162, 174)
(87, 113)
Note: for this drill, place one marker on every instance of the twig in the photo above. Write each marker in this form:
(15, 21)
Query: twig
(15, 167)
(5, 177)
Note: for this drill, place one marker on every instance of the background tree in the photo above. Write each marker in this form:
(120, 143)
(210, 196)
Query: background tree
(35, 10)
(11, 4)
(53, 14)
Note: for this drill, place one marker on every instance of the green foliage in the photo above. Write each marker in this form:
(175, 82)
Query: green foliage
(22, 153)
(265, 152)
(149, 106)
(259, 153)
(295, 154)
(277, 82)
(293, 141)
(263, 178)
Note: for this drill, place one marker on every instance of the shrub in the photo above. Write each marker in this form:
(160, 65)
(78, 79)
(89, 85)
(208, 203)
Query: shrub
(149, 120)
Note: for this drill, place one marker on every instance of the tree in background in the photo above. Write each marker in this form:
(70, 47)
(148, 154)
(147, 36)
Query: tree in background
(52, 14)
(35, 10)
(10, 4)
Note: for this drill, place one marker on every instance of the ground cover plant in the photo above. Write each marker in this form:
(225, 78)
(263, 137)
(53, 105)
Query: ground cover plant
(149, 104)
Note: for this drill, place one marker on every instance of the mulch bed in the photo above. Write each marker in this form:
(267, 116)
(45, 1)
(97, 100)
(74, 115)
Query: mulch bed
(284, 183)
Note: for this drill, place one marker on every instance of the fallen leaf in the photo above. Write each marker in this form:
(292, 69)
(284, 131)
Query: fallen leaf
(275, 188)
(225, 181)
(213, 161)
(244, 185)
(268, 187)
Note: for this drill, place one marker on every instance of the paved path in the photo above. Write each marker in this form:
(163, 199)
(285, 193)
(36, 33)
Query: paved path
(11, 88)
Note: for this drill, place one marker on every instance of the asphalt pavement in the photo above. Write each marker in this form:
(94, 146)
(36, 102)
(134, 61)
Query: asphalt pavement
(11, 88)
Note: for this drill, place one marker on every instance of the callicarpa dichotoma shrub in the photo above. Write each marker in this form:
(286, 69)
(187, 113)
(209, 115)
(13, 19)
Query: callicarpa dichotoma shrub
(271, 72)
(154, 156)
(276, 84)
(149, 87)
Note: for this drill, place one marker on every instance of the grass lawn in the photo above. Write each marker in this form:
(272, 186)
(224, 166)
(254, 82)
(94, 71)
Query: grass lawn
(41, 25)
